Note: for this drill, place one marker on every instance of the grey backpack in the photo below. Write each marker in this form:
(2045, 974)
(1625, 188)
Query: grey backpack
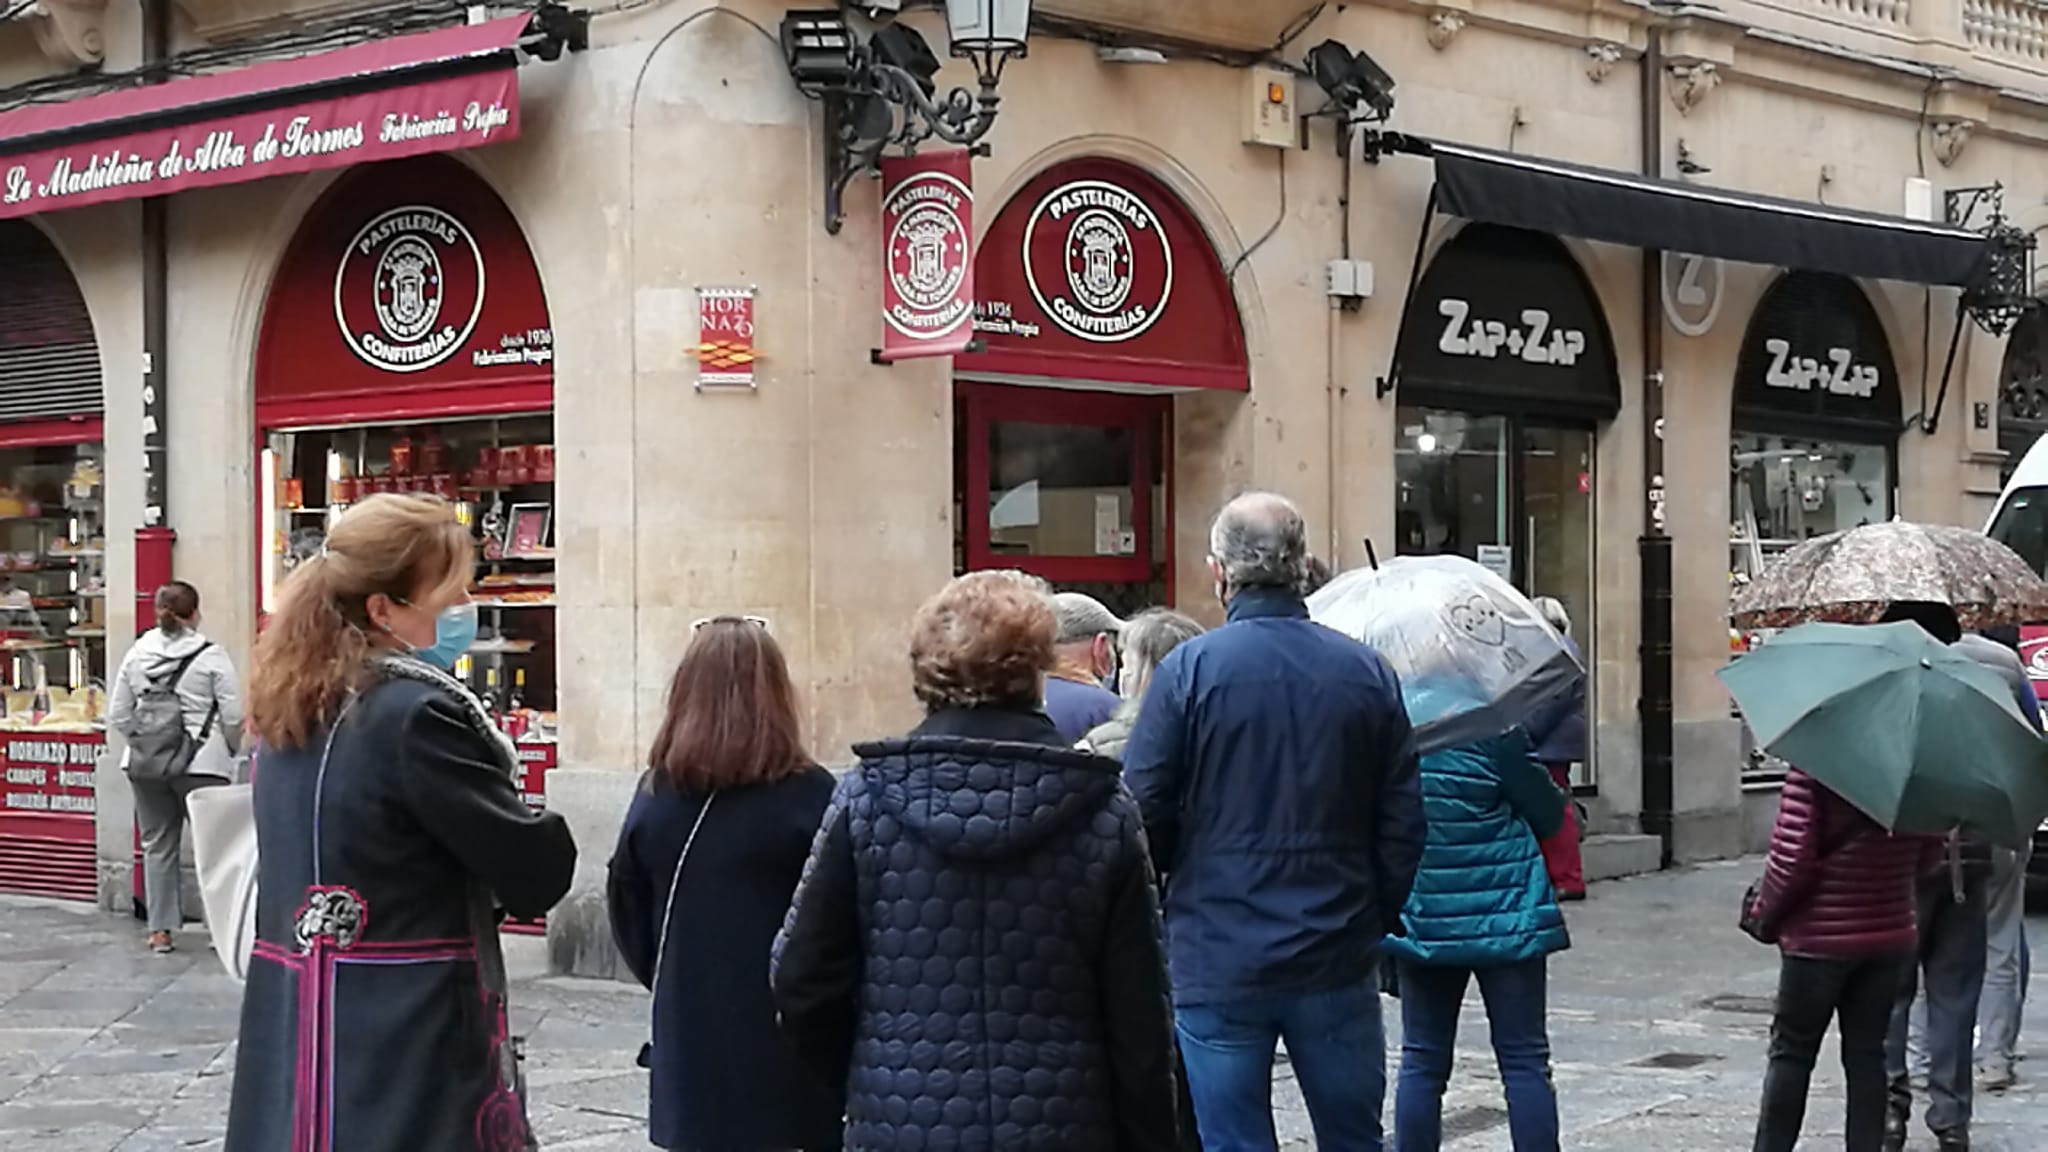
(159, 745)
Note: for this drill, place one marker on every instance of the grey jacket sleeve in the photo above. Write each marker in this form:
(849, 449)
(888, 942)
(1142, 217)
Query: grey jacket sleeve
(225, 688)
(121, 697)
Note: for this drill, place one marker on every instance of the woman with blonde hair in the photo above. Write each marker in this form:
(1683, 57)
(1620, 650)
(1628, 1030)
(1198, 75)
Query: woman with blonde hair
(707, 859)
(390, 835)
(975, 948)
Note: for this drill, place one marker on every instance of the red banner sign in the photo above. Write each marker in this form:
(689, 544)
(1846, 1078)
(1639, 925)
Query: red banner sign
(2034, 654)
(725, 337)
(928, 261)
(435, 116)
(49, 774)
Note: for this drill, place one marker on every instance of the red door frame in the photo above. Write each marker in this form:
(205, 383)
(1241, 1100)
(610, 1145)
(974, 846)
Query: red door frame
(985, 404)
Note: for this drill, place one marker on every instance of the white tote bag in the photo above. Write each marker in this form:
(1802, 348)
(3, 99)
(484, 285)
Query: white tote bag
(224, 848)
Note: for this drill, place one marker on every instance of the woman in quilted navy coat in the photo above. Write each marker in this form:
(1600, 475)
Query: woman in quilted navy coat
(1482, 909)
(975, 949)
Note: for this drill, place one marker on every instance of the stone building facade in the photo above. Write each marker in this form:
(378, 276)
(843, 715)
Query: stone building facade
(675, 154)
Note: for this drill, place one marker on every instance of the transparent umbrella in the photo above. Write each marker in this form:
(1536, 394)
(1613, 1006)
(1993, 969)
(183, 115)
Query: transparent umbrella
(1474, 656)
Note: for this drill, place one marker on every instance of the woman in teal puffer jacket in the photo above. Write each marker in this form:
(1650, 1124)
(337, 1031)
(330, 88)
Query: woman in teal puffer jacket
(1482, 907)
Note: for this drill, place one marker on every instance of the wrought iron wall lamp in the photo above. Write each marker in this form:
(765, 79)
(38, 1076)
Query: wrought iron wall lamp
(879, 87)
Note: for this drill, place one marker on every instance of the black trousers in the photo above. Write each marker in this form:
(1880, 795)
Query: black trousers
(1859, 993)
(1952, 943)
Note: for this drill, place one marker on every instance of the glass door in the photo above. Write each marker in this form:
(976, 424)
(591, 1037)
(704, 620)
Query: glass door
(1070, 486)
(1513, 495)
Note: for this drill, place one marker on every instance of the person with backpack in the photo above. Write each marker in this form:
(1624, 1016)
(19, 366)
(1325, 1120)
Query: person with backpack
(179, 707)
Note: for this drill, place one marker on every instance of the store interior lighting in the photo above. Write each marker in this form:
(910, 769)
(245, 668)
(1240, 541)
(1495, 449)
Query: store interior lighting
(266, 528)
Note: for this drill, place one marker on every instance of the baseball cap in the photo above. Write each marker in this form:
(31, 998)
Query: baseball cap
(1082, 617)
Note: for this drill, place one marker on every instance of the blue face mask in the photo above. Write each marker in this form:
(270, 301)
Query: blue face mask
(454, 635)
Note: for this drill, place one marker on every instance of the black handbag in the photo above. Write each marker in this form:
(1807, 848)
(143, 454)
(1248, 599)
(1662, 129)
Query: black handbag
(1751, 924)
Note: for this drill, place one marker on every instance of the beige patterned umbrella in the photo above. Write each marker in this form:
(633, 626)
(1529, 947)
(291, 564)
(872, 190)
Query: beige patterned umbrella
(1852, 577)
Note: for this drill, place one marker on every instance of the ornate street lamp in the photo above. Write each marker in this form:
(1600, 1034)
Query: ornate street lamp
(880, 88)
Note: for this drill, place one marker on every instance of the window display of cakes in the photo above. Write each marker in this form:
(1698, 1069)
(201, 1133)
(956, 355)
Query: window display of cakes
(500, 474)
(53, 654)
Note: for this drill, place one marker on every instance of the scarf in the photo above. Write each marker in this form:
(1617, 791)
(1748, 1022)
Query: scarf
(405, 666)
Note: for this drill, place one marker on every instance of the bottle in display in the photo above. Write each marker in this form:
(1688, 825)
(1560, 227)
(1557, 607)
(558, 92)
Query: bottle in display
(39, 705)
(515, 708)
(491, 691)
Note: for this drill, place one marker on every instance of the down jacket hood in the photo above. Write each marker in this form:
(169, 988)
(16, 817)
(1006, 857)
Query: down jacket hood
(985, 784)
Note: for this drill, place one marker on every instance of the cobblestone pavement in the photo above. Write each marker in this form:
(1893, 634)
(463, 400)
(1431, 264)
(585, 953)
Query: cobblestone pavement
(1658, 1019)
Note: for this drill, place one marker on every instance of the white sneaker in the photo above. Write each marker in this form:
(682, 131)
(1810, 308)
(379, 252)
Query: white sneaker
(1996, 1076)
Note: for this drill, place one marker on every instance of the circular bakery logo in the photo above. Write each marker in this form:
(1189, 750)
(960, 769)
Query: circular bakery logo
(928, 256)
(1098, 261)
(409, 289)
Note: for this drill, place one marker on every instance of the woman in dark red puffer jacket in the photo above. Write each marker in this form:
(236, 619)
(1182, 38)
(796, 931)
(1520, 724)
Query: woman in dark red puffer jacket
(1837, 899)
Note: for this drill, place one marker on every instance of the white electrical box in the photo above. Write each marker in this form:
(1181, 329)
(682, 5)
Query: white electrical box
(1919, 199)
(1350, 279)
(1269, 108)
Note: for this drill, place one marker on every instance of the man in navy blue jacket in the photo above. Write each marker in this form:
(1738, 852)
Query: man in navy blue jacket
(1276, 771)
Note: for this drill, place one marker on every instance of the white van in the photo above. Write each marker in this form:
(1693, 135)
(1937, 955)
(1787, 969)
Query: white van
(2020, 520)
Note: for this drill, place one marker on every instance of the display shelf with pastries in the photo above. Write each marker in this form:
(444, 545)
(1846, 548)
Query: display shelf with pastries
(499, 472)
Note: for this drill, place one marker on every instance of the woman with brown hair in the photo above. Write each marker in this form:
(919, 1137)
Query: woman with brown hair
(389, 835)
(975, 949)
(706, 862)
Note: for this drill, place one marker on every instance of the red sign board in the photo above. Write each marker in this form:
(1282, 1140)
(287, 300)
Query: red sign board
(49, 774)
(725, 337)
(408, 281)
(1096, 271)
(2034, 654)
(536, 760)
(928, 242)
(434, 116)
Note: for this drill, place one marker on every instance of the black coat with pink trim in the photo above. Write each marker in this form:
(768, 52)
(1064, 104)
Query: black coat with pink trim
(374, 1015)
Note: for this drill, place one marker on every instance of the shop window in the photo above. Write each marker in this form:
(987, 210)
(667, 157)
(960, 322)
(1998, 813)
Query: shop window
(500, 475)
(53, 631)
(1787, 489)
(2023, 391)
(1069, 486)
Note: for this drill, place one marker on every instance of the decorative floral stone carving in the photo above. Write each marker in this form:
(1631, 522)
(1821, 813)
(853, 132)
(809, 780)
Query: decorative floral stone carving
(1949, 138)
(1444, 26)
(1601, 57)
(1690, 83)
(69, 31)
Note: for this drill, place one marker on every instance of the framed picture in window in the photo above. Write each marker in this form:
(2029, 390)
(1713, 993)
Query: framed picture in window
(526, 531)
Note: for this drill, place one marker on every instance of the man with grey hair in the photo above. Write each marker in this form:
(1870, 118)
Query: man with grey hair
(1084, 657)
(1276, 771)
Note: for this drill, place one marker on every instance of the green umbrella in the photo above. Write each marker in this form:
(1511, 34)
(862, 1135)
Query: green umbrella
(1920, 737)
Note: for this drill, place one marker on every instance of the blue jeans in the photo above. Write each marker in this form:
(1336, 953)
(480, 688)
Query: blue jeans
(1515, 1011)
(1337, 1044)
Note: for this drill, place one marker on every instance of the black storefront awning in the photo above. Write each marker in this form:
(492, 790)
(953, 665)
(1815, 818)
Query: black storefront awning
(1640, 212)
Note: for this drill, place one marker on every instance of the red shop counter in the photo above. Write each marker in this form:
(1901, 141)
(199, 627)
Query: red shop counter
(47, 802)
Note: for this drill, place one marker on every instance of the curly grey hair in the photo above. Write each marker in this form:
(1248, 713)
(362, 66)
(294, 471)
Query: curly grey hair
(1260, 541)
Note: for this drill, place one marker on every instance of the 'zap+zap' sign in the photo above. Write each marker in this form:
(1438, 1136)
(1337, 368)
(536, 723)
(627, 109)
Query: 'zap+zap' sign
(409, 289)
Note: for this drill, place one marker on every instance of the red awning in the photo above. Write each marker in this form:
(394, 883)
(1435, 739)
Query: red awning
(430, 92)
